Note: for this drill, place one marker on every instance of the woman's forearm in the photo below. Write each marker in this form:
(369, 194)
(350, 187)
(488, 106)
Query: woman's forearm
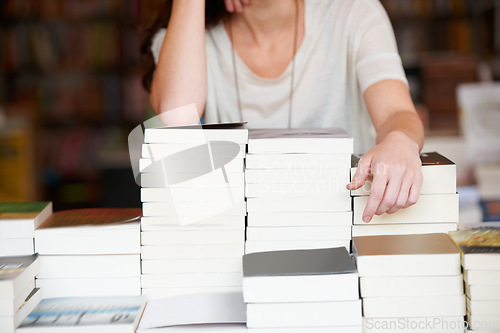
(181, 75)
(403, 122)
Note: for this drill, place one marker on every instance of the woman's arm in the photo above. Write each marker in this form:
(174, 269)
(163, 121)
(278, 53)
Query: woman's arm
(181, 73)
(394, 162)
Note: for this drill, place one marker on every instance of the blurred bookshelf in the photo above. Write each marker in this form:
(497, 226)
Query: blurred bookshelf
(71, 69)
(444, 43)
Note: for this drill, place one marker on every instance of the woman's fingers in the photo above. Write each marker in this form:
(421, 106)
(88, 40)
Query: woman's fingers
(379, 184)
(236, 5)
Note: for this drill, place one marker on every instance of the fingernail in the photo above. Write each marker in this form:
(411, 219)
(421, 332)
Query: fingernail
(366, 219)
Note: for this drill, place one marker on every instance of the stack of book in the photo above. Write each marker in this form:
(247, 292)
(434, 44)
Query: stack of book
(89, 252)
(407, 281)
(481, 266)
(18, 221)
(295, 188)
(18, 295)
(314, 289)
(193, 229)
(436, 210)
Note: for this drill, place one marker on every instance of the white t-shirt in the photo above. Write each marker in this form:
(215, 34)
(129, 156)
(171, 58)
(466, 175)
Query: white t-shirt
(348, 45)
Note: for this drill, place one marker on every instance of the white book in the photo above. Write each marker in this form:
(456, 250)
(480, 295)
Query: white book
(479, 307)
(401, 229)
(298, 161)
(430, 324)
(434, 208)
(406, 255)
(194, 165)
(238, 224)
(473, 277)
(85, 314)
(216, 178)
(9, 324)
(187, 194)
(483, 323)
(10, 247)
(20, 219)
(203, 265)
(16, 273)
(305, 314)
(337, 203)
(187, 209)
(331, 329)
(10, 305)
(253, 246)
(320, 141)
(285, 219)
(379, 286)
(83, 287)
(439, 176)
(414, 306)
(483, 292)
(104, 239)
(286, 190)
(333, 178)
(212, 328)
(90, 266)
(298, 233)
(301, 288)
(220, 221)
(216, 149)
(159, 293)
(167, 251)
(185, 280)
(193, 237)
(196, 134)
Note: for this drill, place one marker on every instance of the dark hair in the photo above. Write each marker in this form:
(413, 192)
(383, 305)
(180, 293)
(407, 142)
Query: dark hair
(214, 12)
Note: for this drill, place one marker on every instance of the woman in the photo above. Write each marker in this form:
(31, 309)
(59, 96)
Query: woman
(297, 63)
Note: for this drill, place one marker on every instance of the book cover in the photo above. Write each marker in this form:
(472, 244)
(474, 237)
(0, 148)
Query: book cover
(477, 241)
(60, 314)
(11, 267)
(92, 216)
(298, 262)
(22, 210)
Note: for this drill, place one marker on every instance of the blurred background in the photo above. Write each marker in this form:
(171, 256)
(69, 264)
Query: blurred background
(70, 89)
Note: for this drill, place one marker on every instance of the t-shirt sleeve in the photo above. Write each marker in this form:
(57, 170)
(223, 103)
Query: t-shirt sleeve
(377, 55)
(157, 42)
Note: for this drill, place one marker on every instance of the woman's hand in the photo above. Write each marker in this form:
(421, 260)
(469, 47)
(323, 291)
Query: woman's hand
(395, 167)
(236, 5)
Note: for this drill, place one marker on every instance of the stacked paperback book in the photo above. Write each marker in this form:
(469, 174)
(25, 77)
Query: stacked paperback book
(410, 283)
(193, 229)
(295, 187)
(18, 221)
(18, 295)
(436, 210)
(89, 252)
(481, 267)
(315, 289)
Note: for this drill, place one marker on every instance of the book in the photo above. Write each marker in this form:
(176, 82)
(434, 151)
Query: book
(20, 219)
(252, 246)
(483, 292)
(428, 324)
(216, 149)
(304, 314)
(435, 208)
(485, 277)
(11, 247)
(406, 255)
(89, 266)
(318, 275)
(414, 306)
(151, 223)
(166, 291)
(401, 229)
(488, 180)
(194, 265)
(320, 141)
(167, 251)
(192, 280)
(333, 179)
(217, 178)
(298, 161)
(284, 219)
(483, 323)
(90, 231)
(439, 175)
(89, 287)
(203, 209)
(16, 273)
(9, 305)
(334, 203)
(194, 237)
(320, 188)
(187, 194)
(483, 307)
(299, 233)
(212, 328)
(330, 329)
(232, 132)
(380, 286)
(99, 314)
(189, 165)
(480, 248)
(9, 324)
